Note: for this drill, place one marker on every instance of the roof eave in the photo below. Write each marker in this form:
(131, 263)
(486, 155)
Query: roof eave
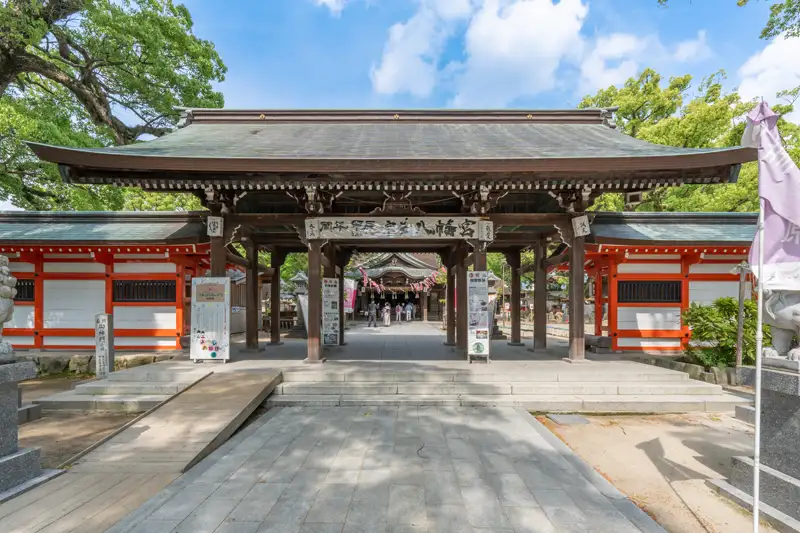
(75, 157)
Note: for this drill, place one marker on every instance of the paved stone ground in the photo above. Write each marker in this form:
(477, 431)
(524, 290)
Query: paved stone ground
(391, 469)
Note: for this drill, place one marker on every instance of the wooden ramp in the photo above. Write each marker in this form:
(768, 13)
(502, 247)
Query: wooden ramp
(103, 486)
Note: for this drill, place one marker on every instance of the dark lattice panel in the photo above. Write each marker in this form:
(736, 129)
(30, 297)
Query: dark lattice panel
(25, 290)
(649, 292)
(144, 291)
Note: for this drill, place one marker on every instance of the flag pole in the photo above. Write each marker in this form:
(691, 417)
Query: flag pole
(759, 343)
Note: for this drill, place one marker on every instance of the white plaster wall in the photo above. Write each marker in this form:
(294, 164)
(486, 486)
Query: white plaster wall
(649, 268)
(67, 341)
(26, 340)
(75, 267)
(705, 292)
(149, 268)
(140, 256)
(713, 268)
(16, 266)
(649, 318)
(647, 342)
(144, 317)
(73, 303)
(22, 317)
(671, 257)
(145, 341)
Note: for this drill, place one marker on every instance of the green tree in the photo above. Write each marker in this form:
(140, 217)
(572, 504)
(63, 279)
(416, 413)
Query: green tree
(784, 18)
(710, 118)
(93, 73)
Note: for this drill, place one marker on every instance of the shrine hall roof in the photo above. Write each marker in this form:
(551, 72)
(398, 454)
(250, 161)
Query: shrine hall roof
(674, 228)
(44, 227)
(263, 141)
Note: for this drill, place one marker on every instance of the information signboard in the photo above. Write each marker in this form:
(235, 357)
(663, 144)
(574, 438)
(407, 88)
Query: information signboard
(330, 311)
(211, 319)
(479, 325)
(104, 345)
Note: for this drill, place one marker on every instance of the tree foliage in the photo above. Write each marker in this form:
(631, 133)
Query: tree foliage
(670, 113)
(93, 73)
(715, 326)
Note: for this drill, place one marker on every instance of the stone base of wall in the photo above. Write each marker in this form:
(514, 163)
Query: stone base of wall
(55, 363)
(718, 376)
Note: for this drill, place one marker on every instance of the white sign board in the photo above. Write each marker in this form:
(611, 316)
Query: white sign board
(104, 345)
(580, 225)
(479, 326)
(211, 319)
(399, 228)
(330, 311)
(214, 226)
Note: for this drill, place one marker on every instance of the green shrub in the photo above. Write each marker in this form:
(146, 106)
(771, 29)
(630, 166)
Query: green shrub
(716, 325)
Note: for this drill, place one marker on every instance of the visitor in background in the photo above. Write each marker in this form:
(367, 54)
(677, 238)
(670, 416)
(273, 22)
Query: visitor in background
(387, 315)
(409, 311)
(372, 311)
(398, 311)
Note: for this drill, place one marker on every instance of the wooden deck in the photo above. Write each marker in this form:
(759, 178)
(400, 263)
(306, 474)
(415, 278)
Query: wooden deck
(121, 474)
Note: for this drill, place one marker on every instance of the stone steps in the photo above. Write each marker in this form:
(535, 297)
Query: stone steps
(615, 403)
(386, 388)
(107, 387)
(314, 376)
(131, 403)
(133, 390)
(746, 413)
(779, 490)
(777, 519)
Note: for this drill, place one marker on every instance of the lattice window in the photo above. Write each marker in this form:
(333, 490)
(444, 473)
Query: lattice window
(144, 291)
(649, 292)
(26, 291)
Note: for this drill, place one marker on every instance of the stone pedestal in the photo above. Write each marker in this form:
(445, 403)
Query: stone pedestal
(16, 466)
(780, 444)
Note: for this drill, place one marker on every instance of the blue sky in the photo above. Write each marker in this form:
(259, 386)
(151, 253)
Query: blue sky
(481, 53)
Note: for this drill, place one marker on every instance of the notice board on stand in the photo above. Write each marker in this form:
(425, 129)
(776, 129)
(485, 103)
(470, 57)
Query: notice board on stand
(479, 327)
(330, 311)
(211, 319)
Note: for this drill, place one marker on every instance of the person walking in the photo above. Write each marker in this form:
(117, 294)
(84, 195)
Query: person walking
(372, 311)
(387, 315)
(398, 311)
(409, 311)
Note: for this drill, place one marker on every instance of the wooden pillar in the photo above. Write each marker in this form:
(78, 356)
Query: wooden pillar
(424, 300)
(219, 257)
(461, 304)
(314, 354)
(612, 304)
(598, 302)
(253, 302)
(513, 260)
(577, 340)
(540, 296)
(277, 257)
(479, 256)
(450, 309)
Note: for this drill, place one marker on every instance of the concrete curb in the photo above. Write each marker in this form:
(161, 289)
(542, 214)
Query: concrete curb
(623, 504)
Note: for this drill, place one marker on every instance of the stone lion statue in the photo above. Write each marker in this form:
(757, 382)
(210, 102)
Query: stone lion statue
(7, 294)
(782, 313)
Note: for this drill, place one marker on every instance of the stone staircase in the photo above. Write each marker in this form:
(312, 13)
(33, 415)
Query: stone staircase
(643, 391)
(133, 390)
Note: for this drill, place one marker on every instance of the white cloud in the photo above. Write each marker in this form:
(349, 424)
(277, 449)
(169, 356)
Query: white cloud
(5, 205)
(615, 58)
(410, 61)
(771, 70)
(514, 49)
(693, 49)
(335, 6)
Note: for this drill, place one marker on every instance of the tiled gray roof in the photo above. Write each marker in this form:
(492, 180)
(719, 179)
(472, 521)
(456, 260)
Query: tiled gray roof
(621, 228)
(404, 141)
(101, 227)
